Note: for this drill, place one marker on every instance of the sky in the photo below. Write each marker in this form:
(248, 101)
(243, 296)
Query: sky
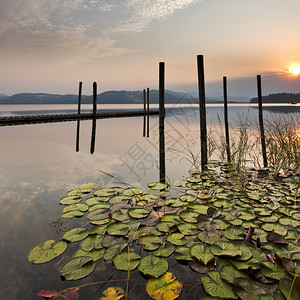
(49, 46)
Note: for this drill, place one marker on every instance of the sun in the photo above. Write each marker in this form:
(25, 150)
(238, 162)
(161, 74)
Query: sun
(295, 70)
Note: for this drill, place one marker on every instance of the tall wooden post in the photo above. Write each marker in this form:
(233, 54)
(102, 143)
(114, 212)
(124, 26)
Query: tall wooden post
(226, 119)
(203, 131)
(144, 127)
(148, 108)
(162, 166)
(79, 97)
(94, 98)
(261, 121)
(78, 121)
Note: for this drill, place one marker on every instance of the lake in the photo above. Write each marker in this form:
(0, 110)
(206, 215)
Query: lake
(40, 164)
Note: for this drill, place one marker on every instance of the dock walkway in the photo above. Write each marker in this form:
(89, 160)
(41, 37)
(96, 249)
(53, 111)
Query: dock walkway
(36, 119)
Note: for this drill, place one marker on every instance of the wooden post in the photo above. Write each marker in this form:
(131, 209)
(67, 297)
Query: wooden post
(79, 97)
(162, 166)
(93, 136)
(144, 127)
(148, 107)
(261, 121)
(203, 131)
(226, 119)
(78, 121)
(94, 98)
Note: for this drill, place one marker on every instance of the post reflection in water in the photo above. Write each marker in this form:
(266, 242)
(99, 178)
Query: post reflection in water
(146, 122)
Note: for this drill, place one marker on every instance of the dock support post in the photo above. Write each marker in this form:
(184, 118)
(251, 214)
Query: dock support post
(144, 126)
(226, 119)
(78, 121)
(94, 98)
(203, 131)
(148, 108)
(261, 122)
(162, 166)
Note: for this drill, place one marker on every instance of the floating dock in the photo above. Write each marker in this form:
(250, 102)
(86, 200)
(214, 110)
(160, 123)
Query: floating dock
(36, 119)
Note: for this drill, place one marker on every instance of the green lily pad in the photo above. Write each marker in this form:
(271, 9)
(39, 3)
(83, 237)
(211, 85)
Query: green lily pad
(78, 206)
(175, 202)
(187, 228)
(275, 271)
(118, 229)
(225, 249)
(202, 253)
(217, 287)
(176, 239)
(171, 218)
(119, 199)
(165, 226)
(95, 254)
(46, 252)
(91, 242)
(199, 208)
(121, 215)
(189, 216)
(72, 214)
(153, 266)
(165, 250)
(187, 198)
(113, 250)
(183, 253)
(209, 237)
(77, 268)
(97, 230)
(276, 227)
(180, 183)
(90, 185)
(126, 260)
(157, 186)
(75, 234)
(70, 200)
(104, 192)
(229, 273)
(138, 213)
(150, 241)
(96, 200)
(165, 287)
(98, 206)
(132, 191)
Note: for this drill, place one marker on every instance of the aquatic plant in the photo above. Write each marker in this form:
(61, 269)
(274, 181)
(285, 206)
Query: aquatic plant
(243, 242)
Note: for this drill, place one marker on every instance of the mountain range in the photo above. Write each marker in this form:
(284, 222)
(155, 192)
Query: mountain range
(109, 97)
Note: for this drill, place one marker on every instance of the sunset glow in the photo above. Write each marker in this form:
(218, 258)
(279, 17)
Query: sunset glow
(295, 70)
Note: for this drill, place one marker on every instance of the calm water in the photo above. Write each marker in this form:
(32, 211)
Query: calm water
(39, 164)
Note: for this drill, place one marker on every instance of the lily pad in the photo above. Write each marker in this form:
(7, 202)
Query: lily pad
(113, 293)
(187, 228)
(75, 234)
(165, 250)
(46, 252)
(132, 191)
(202, 253)
(95, 254)
(176, 239)
(150, 241)
(225, 249)
(217, 287)
(91, 242)
(166, 287)
(105, 192)
(70, 200)
(153, 266)
(138, 213)
(118, 229)
(77, 268)
(126, 260)
(157, 186)
(72, 214)
(183, 253)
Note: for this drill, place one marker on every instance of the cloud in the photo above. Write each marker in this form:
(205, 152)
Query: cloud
(55, 29)
(143, 12)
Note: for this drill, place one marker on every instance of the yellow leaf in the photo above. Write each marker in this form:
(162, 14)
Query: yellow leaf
(166, 287)
(113, 293)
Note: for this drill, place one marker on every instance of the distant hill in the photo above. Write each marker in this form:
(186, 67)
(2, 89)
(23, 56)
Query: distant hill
(279, 98)
(110, 97)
